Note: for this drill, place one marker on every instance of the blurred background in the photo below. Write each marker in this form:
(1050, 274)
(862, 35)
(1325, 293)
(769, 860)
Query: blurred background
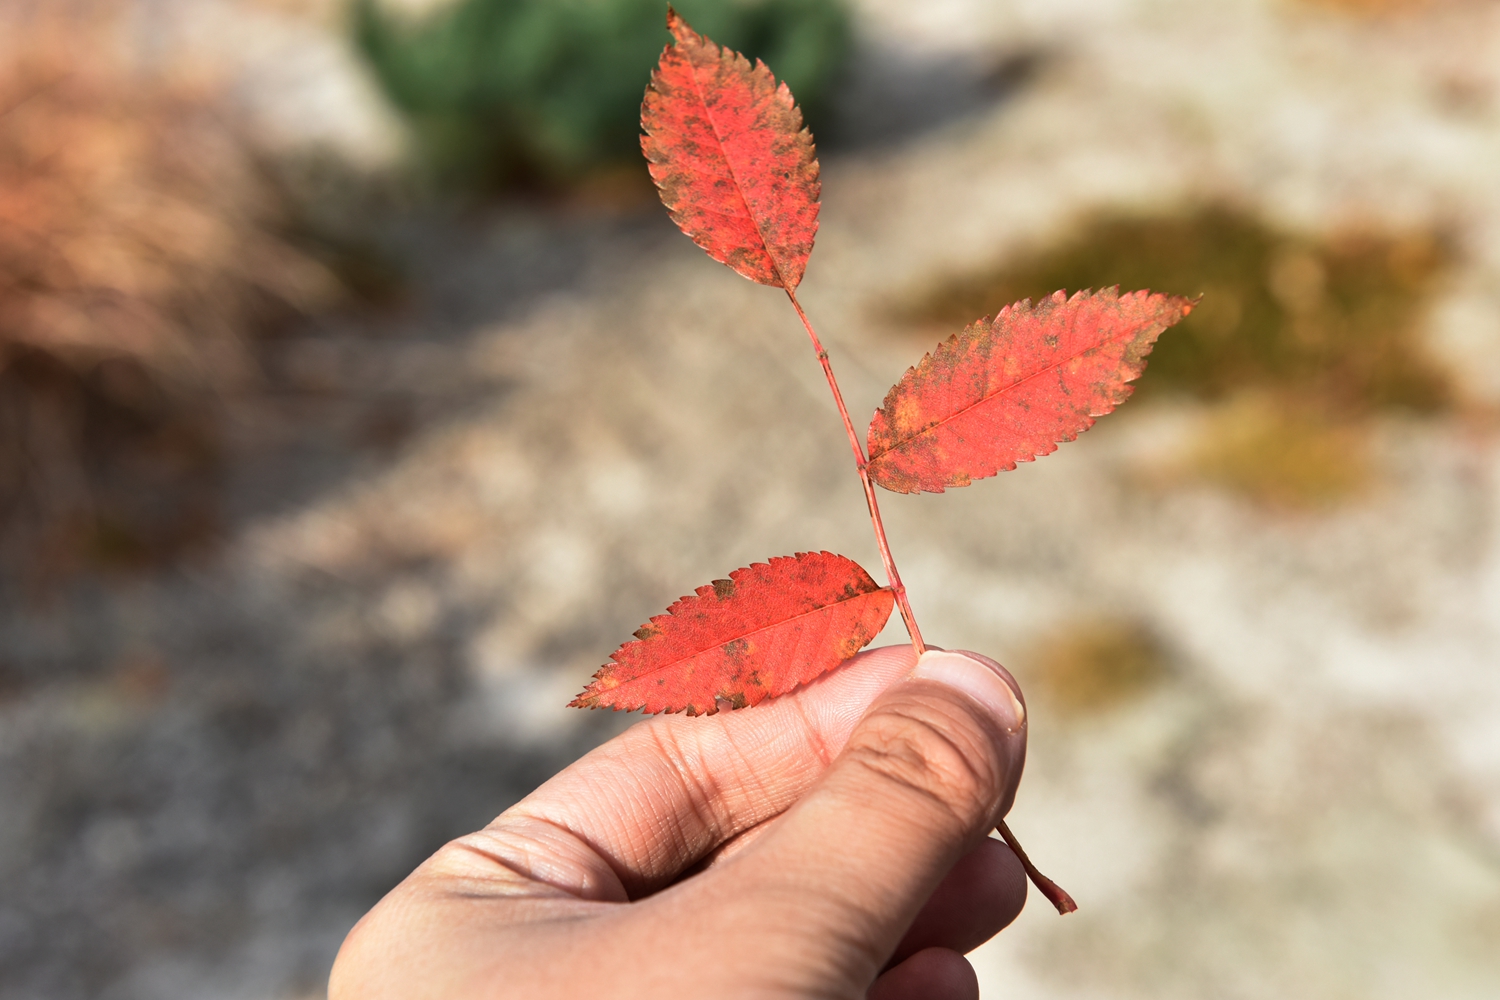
(357, 397)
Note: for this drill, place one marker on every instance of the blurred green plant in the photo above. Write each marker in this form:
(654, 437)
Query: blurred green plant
(542, 91)
(1334, 321)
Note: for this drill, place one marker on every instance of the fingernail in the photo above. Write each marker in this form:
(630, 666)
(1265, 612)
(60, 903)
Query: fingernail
(979, 678)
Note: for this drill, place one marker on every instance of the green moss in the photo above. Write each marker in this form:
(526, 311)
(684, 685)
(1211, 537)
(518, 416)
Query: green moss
(500, 91)
(1333, 322)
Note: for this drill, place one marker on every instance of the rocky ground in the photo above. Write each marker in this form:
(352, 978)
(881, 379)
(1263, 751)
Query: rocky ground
(443, 518)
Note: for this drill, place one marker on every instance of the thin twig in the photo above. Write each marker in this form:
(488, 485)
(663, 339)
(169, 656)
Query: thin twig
(861, 465)
(1055, 893)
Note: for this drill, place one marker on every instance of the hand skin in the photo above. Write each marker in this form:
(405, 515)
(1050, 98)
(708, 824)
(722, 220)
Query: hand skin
(831, 843)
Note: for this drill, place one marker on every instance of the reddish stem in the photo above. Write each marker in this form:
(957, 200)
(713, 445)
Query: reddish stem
(861, 465)
(1055, 893)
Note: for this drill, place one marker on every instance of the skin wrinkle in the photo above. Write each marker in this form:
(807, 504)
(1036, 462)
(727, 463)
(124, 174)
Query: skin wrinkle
(734, 845)
(496, 883)
(863, 956)
(786, 977)
(672, 753)
(863, 907)
(814, 737)
(761, 793)
(701, 792)
(716, 829)
(643, 859)
(812, 740)
(866, 954)
(838, 934)
(968, 783)
(590, 850)
(662, 837)
(847, 934)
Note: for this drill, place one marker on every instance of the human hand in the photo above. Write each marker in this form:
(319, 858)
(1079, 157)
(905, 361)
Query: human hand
(825, 844)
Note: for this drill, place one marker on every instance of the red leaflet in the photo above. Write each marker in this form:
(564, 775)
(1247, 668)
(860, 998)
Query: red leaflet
(758, 634)
(1008, 390)
(729, 154)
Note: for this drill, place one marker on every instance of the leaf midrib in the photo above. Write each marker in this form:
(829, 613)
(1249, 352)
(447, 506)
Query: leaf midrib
(753, 632)
(739, 189)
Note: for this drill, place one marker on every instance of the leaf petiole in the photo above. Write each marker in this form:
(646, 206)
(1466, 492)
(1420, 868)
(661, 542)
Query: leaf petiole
(861, 465)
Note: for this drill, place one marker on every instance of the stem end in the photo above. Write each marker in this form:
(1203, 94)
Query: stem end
(1055, 893)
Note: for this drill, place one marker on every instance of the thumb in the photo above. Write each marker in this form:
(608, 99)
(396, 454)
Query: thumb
(925, 775)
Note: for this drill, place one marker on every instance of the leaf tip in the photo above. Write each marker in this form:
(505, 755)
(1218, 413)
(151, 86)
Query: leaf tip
(682, 32)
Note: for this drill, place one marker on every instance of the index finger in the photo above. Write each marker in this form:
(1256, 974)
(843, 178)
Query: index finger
(662, 795)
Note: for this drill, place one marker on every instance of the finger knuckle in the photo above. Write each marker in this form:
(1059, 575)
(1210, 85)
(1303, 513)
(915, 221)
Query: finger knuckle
(930, 755)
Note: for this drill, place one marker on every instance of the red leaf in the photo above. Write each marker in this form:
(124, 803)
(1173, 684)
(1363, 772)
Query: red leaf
(731, 159)
(1008, 390)
(758, 634)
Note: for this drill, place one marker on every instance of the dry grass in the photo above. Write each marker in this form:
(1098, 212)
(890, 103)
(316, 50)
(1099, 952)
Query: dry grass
(138, 247)
(1282, 458)
(1376, 8)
